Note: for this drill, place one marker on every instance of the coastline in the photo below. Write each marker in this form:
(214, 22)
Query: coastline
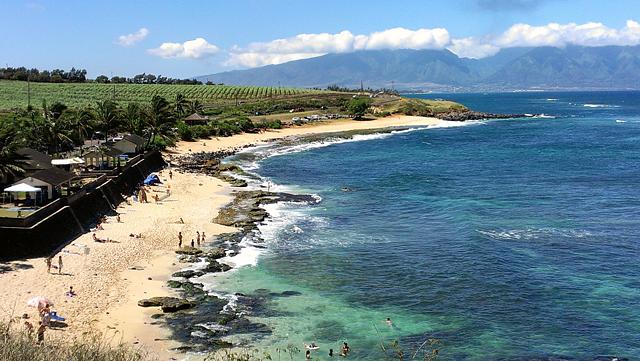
(107, 286)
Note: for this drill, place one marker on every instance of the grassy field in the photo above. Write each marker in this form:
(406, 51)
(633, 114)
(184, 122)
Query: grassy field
(13, 94)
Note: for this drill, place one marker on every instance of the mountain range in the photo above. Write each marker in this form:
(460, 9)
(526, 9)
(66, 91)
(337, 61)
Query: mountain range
(572, 67)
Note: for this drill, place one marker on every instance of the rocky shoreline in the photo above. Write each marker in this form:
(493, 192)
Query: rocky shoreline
(471, 115)
(198, 319)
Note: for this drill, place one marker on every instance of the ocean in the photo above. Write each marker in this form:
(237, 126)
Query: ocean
(500, 239)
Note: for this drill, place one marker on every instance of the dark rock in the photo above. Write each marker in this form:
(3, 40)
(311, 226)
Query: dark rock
(461, 116)
(215, 266)
(290, 293)
(167, 304)
(189, 251)
(215, 253)
(185, 258)
(245, 211)
(188, 274)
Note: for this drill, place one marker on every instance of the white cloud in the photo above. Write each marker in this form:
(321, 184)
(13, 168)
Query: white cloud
(553, 34)
(194, 49)
(132, 39)
(304, 46)
(472, 48)
(401, 38)
(252, 60)
(559, 35)
(311, 45)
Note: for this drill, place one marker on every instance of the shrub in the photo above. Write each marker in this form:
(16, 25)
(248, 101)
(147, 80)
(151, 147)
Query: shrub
(18, 345)
(184, 131)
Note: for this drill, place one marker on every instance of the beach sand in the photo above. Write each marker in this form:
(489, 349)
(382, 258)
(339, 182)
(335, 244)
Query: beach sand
(111, 279)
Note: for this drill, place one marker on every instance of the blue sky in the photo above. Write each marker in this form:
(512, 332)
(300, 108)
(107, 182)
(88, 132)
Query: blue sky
(224, 35)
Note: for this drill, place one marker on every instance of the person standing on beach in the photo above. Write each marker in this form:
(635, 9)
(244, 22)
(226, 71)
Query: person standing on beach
(179, 239)
(192, 244)
(40, 332)
(170, 175)
(59, 265)
(204, 238)
(48, 262)
(198, 238)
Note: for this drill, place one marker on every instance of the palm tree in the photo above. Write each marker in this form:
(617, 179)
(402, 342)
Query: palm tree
(52, 129)
(78, 124)
(133, 119)
(159, 119)
(10, 163)
(195, 106)
(106, 114)
(181, 104)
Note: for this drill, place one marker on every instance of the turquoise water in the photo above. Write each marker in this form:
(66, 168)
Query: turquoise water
(502, 239)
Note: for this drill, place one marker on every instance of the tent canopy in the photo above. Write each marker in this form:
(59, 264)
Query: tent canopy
(22, 187)
(67, 161)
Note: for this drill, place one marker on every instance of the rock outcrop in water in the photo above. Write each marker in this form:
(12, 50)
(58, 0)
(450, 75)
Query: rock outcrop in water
(471, 115)
(245, 211)
(209, 163)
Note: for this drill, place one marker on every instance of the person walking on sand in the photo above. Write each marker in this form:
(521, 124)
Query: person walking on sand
(48, 262)
(40, 333)
(179, 239)
(59, 265)
(192, 244)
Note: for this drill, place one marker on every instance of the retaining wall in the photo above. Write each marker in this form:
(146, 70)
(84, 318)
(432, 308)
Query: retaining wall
(70, 217)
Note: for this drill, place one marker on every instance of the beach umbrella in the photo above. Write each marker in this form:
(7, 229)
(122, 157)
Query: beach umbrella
(39, 302)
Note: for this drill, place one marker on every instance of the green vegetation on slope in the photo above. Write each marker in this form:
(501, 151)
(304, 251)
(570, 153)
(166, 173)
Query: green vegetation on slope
(14, 94)
(413, 106)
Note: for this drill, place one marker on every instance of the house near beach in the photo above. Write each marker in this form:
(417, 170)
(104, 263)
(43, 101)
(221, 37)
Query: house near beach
(130, 144)
(103, 158)
(49, 181)
(32, 160)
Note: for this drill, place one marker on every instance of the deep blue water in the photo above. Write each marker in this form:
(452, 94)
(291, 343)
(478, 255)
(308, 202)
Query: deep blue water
(503, 239)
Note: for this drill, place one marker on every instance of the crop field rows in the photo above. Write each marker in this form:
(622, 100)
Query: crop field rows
(14, 94)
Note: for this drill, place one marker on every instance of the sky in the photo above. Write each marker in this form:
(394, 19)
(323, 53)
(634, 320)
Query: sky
(197, 37)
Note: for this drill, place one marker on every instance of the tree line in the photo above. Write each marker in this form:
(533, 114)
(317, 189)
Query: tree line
(80, 76)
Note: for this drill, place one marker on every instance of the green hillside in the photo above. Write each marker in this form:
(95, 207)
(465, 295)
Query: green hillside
(14, 94)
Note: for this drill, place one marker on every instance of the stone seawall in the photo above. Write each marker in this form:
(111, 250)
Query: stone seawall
(76, 215)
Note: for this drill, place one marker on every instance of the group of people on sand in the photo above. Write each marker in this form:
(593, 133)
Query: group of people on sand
(199, 237)
(48, 262)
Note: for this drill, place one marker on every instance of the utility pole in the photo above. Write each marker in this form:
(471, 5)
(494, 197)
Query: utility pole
(361, 87)
(114, 87)
(29, 89)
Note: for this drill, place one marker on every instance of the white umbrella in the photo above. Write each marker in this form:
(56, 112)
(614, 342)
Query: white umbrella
(22, 187)
(39, 302)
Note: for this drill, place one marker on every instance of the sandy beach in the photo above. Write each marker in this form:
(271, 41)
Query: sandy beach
(113, 276)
